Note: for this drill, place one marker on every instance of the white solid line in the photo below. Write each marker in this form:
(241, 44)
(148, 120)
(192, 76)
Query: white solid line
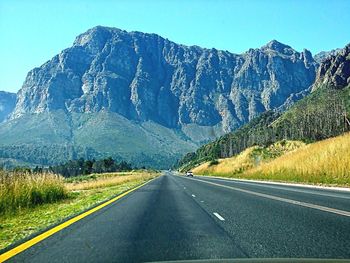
(321, 187)
(219, 216)
(282, 187)
(290, 201)
(193, 195)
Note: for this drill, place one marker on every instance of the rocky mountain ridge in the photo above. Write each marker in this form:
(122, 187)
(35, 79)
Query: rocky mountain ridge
(7, 104)
(323, 55)
(145, 99)
(335, 70)
(146, 77)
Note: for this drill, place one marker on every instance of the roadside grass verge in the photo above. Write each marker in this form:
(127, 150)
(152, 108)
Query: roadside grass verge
(247, 159)
(325, 162)
(228, 166)
(82, 193)
(104, 180)
(20, 190)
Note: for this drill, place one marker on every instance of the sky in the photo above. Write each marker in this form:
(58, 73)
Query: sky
(32, 32)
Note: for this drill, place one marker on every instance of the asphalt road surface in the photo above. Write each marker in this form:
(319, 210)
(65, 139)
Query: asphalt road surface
(177, 218)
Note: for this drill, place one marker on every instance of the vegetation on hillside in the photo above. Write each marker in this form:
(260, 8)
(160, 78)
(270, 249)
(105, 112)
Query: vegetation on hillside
(84, 167)
(323, 162)
(43, 154)
(54, 137)
(230, 144)
(322, 114)
(247, 159)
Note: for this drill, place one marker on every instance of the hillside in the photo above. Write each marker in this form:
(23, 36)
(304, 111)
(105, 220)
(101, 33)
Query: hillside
(146, 99)
(57, 137)
(246, 160)
(322, 114)
(324, 162)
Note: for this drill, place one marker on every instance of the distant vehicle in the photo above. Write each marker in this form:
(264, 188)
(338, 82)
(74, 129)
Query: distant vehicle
(189, 173)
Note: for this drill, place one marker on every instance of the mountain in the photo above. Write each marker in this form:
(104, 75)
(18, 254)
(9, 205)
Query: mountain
(145, 77)
(335, 70)
(142, 97)
(322, 114)
(323, 55)
(7, 104)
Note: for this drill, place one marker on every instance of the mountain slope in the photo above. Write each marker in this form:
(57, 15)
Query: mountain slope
(322, 114)
(247, 159)
(7, 104)
(56, 137)
(170, 94)
(325, 162)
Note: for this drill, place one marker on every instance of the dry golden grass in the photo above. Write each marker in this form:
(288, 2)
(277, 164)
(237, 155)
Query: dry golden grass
(247, 159)
(108, 179)
(282, 147)
(20, 190)
(325, 162)
(228, 166)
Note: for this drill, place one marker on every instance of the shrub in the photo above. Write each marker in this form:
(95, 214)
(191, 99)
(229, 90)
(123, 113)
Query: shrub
(213, 162)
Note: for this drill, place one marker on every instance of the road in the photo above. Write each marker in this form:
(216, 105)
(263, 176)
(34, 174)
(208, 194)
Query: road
(176, 218)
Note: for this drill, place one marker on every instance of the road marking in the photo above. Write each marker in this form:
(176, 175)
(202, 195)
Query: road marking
(319, 187)
(202, 201)
(287, 188)
(219, 216)
(193, 196)
(290, 201)
(11, 253)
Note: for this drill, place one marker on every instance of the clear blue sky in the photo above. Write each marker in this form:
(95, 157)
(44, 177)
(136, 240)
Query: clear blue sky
(32, 32)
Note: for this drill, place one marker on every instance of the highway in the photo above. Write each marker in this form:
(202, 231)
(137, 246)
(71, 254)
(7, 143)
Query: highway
(180, 218)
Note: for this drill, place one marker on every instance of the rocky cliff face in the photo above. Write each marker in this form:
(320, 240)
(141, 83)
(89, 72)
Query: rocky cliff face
(144, 77)
(7, 104)
(335, 70)
(323, 55)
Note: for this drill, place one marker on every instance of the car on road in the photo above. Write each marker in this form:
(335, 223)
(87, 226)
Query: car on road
(189, 174)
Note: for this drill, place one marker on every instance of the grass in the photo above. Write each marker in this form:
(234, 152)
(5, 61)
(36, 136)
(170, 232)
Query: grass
(228, 166)
(82, 192)
(23, 190)
(105, 180)
(247, 159)
(325, 162)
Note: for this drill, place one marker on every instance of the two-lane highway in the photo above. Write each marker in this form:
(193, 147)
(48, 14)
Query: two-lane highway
(177, 218)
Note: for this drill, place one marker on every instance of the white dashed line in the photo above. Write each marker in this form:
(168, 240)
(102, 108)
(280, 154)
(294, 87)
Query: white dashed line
(219, 216)
(193, 196)
(277, 198)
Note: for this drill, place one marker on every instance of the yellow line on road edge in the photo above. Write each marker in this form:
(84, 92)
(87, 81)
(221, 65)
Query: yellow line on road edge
(9, 254)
